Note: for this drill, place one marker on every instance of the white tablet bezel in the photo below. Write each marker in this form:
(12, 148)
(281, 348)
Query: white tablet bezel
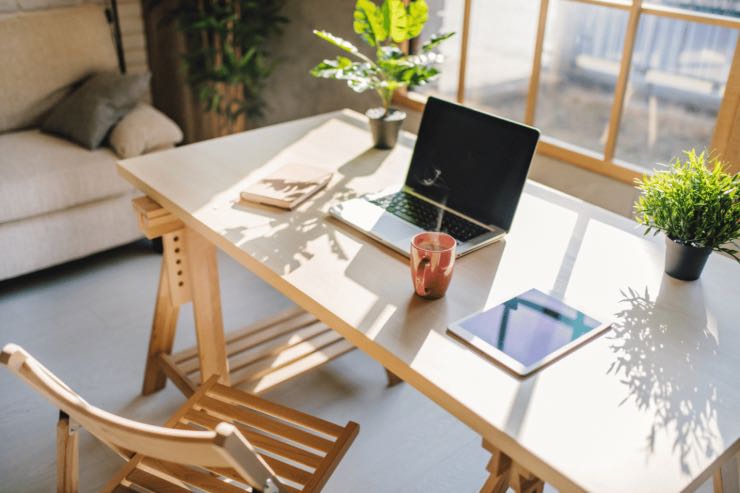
(509, 363)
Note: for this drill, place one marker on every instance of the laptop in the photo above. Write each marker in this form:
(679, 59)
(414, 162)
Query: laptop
(466, 176)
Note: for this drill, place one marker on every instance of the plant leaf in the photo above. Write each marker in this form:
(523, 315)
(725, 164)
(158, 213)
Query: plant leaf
(418, 13)
(338, 68)
(340, 43)
(435, 41)
(395, 20)
(369, 23)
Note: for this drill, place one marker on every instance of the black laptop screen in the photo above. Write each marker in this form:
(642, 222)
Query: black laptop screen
(471, 161)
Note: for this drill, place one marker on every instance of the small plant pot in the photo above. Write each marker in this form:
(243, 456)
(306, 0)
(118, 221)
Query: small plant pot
(385, 126)
(685, 262)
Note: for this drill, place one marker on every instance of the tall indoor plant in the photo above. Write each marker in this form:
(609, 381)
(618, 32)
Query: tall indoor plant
(386, 28)
(226, 57)
(698, 209)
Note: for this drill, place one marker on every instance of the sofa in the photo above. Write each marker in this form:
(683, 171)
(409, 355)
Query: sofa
(58, 201)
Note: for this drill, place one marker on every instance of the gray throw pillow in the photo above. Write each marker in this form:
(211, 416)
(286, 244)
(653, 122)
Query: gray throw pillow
(87, 115)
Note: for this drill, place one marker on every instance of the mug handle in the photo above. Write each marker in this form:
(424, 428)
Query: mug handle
(421, 274)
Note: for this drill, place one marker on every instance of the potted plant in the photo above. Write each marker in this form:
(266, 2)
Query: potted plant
(698, 209)
(384, 27)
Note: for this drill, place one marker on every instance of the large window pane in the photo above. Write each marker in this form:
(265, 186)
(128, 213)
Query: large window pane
(679, 72)
(444, 16)
(580, 65)
(500, 51)
(717, 7)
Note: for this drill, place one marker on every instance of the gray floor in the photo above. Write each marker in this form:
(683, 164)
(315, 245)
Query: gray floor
(89, 321)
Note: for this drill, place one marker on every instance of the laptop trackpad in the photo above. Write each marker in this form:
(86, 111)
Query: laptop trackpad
(377, 222)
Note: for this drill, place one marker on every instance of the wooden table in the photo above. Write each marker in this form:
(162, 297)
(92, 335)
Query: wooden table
(653, 405)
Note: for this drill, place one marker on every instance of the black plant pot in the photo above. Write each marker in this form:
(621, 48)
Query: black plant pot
(385, 126)
(685, 262)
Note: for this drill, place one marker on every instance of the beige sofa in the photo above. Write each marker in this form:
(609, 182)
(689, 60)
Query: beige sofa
(58, 201)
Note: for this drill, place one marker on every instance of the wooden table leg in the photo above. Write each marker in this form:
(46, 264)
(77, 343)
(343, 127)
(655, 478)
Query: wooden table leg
(67, 455)
(726, 478)
(393, 379)
(205, 290)
(174, 290)
(162, 336)
(505, 474)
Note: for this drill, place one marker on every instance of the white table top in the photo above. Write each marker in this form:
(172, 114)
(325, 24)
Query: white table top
(650, 406)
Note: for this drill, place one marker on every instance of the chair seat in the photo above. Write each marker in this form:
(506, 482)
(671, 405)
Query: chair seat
(301, 450)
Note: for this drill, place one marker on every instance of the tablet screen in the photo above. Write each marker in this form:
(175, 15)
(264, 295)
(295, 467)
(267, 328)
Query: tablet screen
(528, 328)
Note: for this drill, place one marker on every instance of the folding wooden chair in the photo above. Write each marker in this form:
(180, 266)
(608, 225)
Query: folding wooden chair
(220, 440)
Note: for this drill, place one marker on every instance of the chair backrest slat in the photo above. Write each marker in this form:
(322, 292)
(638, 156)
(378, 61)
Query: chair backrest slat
(223, 448)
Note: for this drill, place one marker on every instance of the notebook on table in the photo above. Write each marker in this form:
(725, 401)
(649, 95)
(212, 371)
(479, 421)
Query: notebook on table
(288, 186)
(528, 331)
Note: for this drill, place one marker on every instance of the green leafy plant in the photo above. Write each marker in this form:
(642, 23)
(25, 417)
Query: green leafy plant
(692, 204)
(227, 60)
(384, 27)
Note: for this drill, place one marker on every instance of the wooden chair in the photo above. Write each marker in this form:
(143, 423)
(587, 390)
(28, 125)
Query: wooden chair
(220, 440)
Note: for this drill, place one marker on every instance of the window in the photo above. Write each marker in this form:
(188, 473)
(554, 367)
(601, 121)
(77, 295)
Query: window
(616, 86)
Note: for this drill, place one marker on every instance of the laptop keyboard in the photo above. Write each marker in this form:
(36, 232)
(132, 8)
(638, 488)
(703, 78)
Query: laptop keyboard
(428, 216)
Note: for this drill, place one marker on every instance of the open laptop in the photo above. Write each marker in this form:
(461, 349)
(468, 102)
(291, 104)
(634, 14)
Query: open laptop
(466, 176)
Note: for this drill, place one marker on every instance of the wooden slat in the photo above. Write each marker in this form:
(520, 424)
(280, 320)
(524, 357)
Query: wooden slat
(264, 366)
(124, 471)
(153, 483)
(154, 220)
(534, 79)
(245, 332)
(333, 458)
(287, 472)
(147, 207)
(263, 423)
(190, 476)
(279, 347)
(291, 415)
(620, 89)
(292, 370)
(179, 378)
(258, 440)
(123, 489)
(265, 341)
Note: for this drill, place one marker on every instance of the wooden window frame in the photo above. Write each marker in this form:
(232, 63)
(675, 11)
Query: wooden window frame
(726, 137)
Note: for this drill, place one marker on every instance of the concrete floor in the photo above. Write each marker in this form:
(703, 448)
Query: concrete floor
(88, 321)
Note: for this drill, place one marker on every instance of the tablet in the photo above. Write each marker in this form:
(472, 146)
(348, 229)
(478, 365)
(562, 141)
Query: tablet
(528, 331)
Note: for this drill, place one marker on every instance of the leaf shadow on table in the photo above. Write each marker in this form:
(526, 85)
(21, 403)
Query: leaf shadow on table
(663, 365)
(289, 245)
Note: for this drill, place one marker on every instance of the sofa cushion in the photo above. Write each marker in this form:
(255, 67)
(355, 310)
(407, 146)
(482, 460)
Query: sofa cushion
(144, 129)
(44, 54)
(87, 115)
(42, 173)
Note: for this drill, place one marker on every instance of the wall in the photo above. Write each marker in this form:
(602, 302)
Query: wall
(132, 27)
(292, 92)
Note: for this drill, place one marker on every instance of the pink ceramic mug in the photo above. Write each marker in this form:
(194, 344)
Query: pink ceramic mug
(432, 260)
